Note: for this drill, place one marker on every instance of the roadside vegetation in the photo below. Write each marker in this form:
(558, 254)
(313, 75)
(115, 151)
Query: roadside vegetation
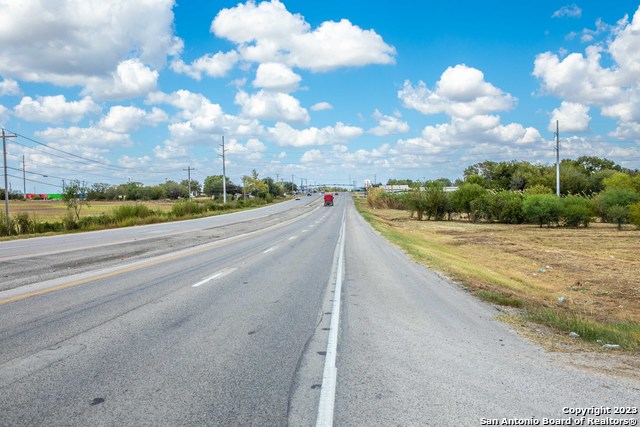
(101, 206)
(568, 262)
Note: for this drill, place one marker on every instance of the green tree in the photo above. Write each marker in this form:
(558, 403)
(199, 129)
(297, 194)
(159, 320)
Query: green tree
(173, 190)
(75, 197)
(542, 208)
(607, 200)
(577, 211)
(464, 195)
(619, 180)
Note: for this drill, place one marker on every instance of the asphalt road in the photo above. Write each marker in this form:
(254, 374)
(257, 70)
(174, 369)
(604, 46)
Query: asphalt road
(237, 330)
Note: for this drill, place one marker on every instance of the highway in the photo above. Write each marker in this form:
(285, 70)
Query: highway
(296, 314)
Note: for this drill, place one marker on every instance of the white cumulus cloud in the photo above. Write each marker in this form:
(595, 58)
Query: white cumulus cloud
(284, 135)
(125, 119)
(9, 87)
(278, 77)
(268, 32)
(70, 42)
(54, 109)
(130, 79)
(321, 106)
(272, 106)
(569, 11)
(573, 117)
(460, 92)
(388, 125)
(217, 65)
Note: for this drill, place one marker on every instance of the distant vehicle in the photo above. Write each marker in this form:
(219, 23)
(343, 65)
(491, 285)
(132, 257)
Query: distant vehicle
(308, 194)
(297, 198)
(335, 194)
(328, 199)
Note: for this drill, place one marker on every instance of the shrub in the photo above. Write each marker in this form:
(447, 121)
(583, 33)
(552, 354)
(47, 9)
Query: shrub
(481, 209)
(542, 208)
(23, 223)
(188, 207)
(136, 210)
(464, 195)
(634, 214)
(615, 197)
(506, 207)
(619, 215)
(577, 211)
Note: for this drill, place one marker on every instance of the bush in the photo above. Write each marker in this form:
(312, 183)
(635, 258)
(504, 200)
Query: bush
(481, 209)
(577, 211)
(606, 200)
(506, 207)
(464, 195)
(619, 215)
(136, 210)
(634, 214)
(542, 208)
(23, 223)
(188, 207)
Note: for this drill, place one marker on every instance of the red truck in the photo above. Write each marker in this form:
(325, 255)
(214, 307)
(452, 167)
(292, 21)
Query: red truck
(328, 199)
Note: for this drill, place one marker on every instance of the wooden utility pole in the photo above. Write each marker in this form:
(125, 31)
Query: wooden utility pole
(6, 179)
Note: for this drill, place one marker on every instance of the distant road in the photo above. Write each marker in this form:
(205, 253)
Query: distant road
(55, 244)
(237, 331)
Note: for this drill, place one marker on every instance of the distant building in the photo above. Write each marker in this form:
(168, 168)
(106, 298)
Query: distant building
(367, 183)
(395, 188)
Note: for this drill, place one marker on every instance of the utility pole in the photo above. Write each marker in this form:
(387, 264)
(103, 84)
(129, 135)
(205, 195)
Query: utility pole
(224, 174)
(6, 179)
(291, 183)
(24, 180)
(188, 169)
(557, 159)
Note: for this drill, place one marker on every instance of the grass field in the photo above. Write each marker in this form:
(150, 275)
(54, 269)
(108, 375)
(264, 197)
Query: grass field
(56, 209)
(587, 280)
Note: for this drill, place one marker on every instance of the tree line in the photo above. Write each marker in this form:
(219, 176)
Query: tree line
(519, 192)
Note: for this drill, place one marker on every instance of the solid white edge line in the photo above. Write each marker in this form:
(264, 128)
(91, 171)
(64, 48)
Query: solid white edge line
(329, 376)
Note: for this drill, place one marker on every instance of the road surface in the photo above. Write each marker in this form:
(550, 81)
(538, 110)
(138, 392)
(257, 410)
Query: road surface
(310, 319)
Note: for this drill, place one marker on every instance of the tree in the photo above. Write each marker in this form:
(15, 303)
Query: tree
(619, 180)
(195, 185)
(213, 186)
(75, 197)
(542, 208)
(464, 195)
(173, 190)
(577, 211)
(254, 186)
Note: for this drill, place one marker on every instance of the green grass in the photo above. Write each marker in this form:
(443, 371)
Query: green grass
(468, 273)
(498, 298)
(625, 334)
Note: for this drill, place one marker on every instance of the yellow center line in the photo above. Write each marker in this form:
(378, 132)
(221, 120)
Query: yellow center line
(129, 269)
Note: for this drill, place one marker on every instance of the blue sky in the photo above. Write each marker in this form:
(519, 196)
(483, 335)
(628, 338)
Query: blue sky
(324, 91)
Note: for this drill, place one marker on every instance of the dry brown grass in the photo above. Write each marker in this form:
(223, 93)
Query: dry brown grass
(596, 270)
(56, 209)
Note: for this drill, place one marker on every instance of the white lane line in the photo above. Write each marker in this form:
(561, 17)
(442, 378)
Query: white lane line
(271, 249)
(217, 275)
(304, 231)
(329, 376)
(293, 237)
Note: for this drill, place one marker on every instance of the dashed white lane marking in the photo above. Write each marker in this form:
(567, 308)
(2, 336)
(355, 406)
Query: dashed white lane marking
(217, 275)
(293, 237)
(304, 231)
(271, 249)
